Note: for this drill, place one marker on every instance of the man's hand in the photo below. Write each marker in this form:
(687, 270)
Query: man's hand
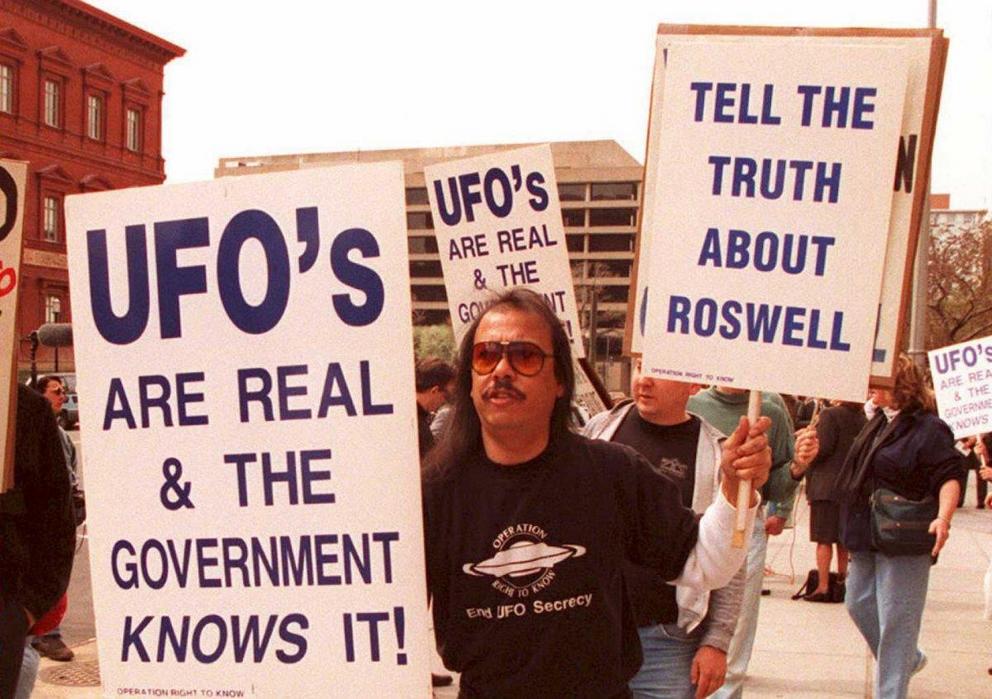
(985, 472)
(709, 669)
(774, 525)
(807, 447)
(746, 456)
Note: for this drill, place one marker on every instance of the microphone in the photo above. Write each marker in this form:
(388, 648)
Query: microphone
(55, 334)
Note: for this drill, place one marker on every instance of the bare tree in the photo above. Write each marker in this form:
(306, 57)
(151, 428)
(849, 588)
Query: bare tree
(959, 284)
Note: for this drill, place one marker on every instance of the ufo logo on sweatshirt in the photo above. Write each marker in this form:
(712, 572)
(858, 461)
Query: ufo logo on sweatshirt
(524, 562)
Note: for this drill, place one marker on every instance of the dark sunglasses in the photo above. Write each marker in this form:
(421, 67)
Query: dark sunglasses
(526, 358)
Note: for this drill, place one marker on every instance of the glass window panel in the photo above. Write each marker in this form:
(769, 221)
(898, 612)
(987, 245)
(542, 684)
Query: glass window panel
(573, 217)
(572, 192)
(52, 116)
(50, 224)
(612, 217)
(419, 220)
(417, 195)
(425, 268)
(6, 88)
(422, 244)
(574, 243)
(617, 242)
(603, 191)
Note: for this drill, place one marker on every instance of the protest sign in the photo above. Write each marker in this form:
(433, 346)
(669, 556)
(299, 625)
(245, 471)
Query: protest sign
(770, 195)
(498, 224)
(962, 381)
(242, 346)
(13, 175)
(926, 50)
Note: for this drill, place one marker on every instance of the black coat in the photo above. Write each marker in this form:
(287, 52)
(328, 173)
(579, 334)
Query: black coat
(914, 458)
(836, 430)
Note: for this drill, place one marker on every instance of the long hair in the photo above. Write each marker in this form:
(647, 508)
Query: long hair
(462, 433)
(911, 391)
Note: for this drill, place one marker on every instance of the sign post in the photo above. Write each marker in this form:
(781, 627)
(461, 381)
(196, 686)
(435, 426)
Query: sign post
(250, 532)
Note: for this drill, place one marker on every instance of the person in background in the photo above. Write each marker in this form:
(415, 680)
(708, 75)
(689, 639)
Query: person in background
(907, 449)
(836, 428)
(37, 533)
(969, 447)
(678, 663)
(722, 407)
(51, 645)
(434, 379)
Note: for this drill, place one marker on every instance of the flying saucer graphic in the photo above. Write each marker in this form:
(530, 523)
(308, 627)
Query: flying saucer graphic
(524, 558)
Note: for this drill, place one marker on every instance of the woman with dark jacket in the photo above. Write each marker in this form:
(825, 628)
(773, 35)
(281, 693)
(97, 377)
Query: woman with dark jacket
(905, 448)
(836, 428)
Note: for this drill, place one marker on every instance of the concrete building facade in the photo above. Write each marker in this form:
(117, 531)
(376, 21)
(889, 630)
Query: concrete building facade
(599, 185)
(81, 101)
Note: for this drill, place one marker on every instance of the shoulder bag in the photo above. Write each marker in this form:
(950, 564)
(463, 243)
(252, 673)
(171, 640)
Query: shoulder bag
(900, 526)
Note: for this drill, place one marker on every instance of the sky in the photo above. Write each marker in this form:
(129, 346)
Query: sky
(268, 78)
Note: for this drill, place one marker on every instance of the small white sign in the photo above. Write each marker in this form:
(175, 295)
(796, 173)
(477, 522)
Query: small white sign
(242, 345)
(962, 380)
(498, 224)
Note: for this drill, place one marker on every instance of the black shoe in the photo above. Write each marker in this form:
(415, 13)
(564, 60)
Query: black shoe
(441, 680)
(53, 647)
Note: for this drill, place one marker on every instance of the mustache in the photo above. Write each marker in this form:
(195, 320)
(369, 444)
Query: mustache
(504, 385)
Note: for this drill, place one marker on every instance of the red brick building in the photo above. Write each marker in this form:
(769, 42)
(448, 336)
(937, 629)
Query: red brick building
(81, 101)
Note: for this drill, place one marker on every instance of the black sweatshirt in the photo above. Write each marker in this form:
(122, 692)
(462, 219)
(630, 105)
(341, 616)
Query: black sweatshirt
(524, 566)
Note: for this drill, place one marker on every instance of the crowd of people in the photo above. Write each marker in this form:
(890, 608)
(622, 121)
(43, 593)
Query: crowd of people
(597, 564)
(592, 561)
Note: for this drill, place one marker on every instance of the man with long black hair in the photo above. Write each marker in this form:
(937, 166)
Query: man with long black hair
(527, 525)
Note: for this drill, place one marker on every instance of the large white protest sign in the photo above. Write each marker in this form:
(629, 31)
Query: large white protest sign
(926, 51)
(770, 207)
(242, 347)
(13, 175)
(962, 380)
(498, 224)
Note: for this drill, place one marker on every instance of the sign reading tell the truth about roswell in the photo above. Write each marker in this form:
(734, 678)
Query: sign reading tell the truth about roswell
(771, 195)
(13, 176)
(242, 346)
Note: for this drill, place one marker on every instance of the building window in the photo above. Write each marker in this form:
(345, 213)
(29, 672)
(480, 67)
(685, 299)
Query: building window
(612, 217)
(602, 191)
(94, 117)
(571, 192)
(50, 219)
(416, 195)
(6, 88)
(53, 96)
(422, 245)
(611, 243)
(425, 268)
(575, 243)
(419, 220)
(573, 217)
(53, 308)
(133, 130)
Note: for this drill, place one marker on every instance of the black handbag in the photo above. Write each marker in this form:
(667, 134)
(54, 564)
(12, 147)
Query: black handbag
(900, 526)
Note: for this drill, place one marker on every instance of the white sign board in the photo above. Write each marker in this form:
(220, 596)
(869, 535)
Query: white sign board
(498, 224)
(13, 175)
(249, 530)
(962, 380)
(771, 203)
(909, 189)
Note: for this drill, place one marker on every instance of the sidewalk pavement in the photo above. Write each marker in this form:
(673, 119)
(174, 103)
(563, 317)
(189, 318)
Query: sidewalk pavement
(812, 650)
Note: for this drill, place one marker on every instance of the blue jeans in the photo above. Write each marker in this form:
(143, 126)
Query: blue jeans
(665, 672)
(742, 644)
(885, 598)
(29, 672)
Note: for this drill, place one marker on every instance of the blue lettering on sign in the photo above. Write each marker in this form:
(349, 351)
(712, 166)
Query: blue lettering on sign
(253, 225)
(175, 281)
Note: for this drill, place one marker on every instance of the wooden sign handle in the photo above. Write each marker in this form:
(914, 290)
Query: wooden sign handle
(744, 487)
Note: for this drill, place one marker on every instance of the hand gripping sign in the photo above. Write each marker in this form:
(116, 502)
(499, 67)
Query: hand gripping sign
(250, 533)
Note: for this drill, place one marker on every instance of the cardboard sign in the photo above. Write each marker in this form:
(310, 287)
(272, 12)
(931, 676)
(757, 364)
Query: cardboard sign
(13, 177)
(770, 203)
(926, 50)
(250, 531)
(962, 381)
(498, 224)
